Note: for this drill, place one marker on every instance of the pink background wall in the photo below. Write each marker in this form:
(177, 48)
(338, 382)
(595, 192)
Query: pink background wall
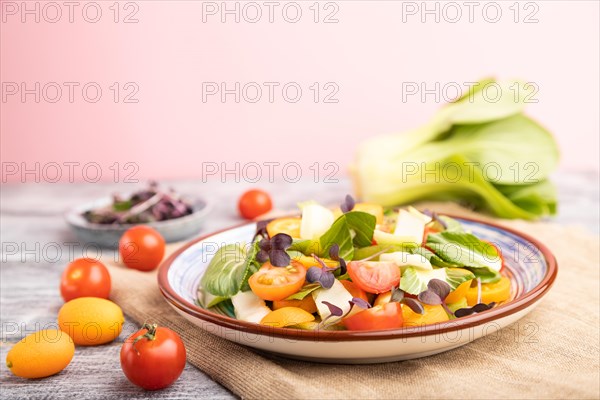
(368, 54)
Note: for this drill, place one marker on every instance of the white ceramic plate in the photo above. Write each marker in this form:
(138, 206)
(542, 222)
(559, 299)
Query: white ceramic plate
(529, 264)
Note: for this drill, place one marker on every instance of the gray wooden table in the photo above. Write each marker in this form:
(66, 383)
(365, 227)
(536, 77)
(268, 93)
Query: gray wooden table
(31, 220)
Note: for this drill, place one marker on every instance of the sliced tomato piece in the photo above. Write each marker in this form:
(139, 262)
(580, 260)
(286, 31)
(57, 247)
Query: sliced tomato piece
(374, 276)
(287, 316)
(459, 293)
(309, 261)
(431, 315)
(490, 292)
(387, 316)
(289, 226)
(307, 304)
(277, 283)
(429, 229)
(354, 290)
(383, 298)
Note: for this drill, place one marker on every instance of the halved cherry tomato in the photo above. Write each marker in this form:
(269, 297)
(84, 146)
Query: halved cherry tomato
(490, 292)
(277, 283)
(289, 226)
(458, 293)
(354, 290)
(374, 276)
(307, 304)
(287, 316)
(388, 316)
(431, 315)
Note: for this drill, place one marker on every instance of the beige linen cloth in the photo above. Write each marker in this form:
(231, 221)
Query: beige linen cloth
(551, 353)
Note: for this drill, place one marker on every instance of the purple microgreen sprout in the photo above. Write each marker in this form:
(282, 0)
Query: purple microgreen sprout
(334, 254)
(477, 308)
(348, 204)
(274, 250)
(357, 301)
(437, 291)
(320, 275)
(261, 228)
(334, 311)
(146, 205)
(398, 297)
(323, 275)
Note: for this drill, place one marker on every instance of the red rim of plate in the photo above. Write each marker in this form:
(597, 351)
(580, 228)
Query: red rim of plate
(470, 321)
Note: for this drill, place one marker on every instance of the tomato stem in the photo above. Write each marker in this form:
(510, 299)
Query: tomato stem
(150, 334)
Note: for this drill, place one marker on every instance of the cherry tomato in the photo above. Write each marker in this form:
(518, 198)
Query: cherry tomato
(277, 283)
(153, 357)
(374, 276)
(290, 226)
(142, 248)
(85, 277)
(254, 203)
(386, 316)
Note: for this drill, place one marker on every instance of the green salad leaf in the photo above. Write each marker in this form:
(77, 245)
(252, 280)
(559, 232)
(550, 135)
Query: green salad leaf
(354, 228)
(464, 249)
(362, 225)
(229, 270)
(486, 275)
(339, 234)
(434, 259)
(304, 291)
(414, 280)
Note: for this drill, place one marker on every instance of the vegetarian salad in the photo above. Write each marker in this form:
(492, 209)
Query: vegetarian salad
(356, 268)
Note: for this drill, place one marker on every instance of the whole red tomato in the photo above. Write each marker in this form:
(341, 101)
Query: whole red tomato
(85, 277)
(153, 357)
(254, 203)
(142, 248)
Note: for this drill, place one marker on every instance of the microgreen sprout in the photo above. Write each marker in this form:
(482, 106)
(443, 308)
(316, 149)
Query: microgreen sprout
(477, 308)
(335, 311)
(323, 275)
(334, 254)
(273, 250)
(357, 301)
(398, 297)
(437, 291)
(348, 204)
(146, 205)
